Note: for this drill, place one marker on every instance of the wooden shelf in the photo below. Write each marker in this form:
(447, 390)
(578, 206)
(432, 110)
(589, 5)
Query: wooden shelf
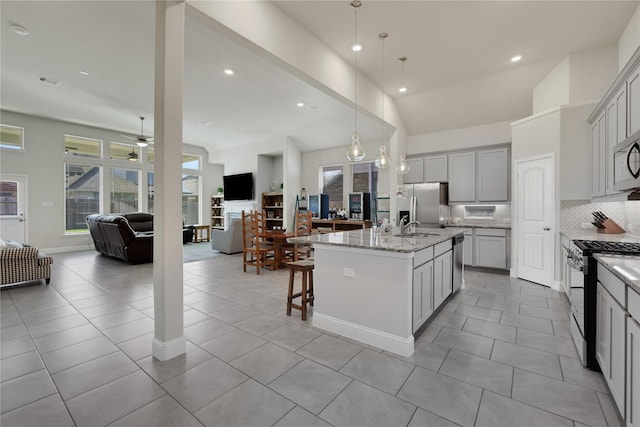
(217, 212)
(273, 204)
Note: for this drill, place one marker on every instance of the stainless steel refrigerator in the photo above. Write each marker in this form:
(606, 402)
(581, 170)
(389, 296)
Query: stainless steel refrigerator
(427, 203)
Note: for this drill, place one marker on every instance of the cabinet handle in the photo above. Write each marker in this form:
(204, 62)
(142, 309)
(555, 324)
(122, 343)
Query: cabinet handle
(546, 229)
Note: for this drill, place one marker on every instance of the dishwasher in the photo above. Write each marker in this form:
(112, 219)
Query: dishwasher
(458, 263)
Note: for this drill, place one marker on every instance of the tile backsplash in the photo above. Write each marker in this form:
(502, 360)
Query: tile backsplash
(502, 212)
(575, 212)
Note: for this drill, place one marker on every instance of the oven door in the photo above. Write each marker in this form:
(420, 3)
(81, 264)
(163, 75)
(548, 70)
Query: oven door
(626, 164)
(576, 279)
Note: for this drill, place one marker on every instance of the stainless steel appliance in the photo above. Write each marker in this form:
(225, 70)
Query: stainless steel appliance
(626, 164)
(458, 264)
(583, 304)
(426, 203)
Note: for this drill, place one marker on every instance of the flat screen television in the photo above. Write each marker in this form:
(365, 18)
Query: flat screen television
(238, 187)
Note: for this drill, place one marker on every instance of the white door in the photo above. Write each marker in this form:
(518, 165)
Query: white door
(535, 218)
(12, 207)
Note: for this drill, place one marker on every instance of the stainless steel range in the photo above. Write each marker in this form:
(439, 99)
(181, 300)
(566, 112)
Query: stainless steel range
(582, 295)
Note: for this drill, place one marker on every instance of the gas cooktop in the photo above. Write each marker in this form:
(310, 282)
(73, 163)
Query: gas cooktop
(625, 248)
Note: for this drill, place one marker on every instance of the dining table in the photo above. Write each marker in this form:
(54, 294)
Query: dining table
(279, 240)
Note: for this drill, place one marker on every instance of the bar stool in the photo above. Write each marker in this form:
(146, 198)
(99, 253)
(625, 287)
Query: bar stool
(305, 266)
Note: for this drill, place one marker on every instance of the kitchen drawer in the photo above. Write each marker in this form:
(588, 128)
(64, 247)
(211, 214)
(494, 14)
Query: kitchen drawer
(613, 285)
(422, 256)
(633, 304)
(441, 248)
(498, 232)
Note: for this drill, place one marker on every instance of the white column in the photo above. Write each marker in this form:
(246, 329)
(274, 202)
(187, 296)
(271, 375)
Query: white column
(169, 339)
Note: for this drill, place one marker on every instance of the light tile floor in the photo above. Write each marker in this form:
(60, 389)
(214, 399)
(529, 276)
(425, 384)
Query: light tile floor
(78, 352)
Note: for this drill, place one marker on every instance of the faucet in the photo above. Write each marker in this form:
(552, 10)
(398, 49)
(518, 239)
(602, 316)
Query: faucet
(405, 227)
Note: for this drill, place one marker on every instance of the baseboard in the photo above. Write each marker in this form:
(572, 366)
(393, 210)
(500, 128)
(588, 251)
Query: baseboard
(165, 350)
(63, 249)
(393, 343)
(557, 286)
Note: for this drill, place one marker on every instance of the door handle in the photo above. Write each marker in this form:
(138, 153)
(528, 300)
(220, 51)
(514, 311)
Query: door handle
(21, 217)
(546, 229)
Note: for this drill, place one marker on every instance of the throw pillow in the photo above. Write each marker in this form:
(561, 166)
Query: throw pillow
(3, 244)
(14, 245)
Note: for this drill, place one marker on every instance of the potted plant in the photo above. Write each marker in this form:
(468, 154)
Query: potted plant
(220, 190)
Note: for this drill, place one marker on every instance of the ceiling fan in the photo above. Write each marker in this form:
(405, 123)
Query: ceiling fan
(141, 140)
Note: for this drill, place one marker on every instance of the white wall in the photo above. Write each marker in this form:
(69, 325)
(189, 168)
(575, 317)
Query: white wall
(456, 139)
(575, 153)
(43, 162)
(591, 73)
(553, 90)
(292, 165)
(629, 40)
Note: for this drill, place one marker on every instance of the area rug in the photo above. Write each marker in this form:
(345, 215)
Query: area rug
(198, 251)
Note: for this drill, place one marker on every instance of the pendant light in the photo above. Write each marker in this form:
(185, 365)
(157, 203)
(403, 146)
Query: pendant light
(403, 166)
(355, 152)
(383, 161)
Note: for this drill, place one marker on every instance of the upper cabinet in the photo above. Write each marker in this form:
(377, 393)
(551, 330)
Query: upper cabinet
(614, 119)
(493, 175)
(633, 89)
(435, 168)
(415, 174)
(598, 157)
(462, 177)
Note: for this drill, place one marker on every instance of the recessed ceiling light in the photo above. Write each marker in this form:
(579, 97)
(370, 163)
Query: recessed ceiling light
(20, 30)
(300, 104)
(357, 47)
(228, 71)
(402, 89)
(84, 73)
(205, 123)
(516, 58)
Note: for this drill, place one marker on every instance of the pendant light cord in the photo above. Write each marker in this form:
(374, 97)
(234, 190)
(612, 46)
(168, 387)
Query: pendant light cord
(355, 66)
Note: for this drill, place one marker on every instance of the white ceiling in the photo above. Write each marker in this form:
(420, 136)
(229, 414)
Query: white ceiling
(449, 45)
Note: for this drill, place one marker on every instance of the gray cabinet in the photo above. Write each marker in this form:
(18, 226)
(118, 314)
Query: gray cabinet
(442, 278)
(493, 175)
(611, 322)
(616, 131)
(598, 156)
(422, 294)
(416, 174)
(462, 177)
(435, 169)
(491, 248)
(633, 94)
(633, 372)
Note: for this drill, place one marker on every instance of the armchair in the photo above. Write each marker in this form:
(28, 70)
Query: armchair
(24, 264)
(228, 241)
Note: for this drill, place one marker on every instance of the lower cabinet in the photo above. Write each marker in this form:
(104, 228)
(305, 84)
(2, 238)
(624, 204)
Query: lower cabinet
(633, 373)
(467, 257)
(491, 248)
(442, 278)
(422, 294)
(610, 344)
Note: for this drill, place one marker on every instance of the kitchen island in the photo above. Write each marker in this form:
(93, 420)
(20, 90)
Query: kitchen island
(379, 288)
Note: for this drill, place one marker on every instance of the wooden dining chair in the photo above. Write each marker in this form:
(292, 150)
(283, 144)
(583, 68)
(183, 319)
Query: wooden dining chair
(298, 251)
(256, 250)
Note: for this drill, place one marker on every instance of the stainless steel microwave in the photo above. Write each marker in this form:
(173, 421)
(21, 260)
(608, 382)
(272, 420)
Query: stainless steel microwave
(626, 163)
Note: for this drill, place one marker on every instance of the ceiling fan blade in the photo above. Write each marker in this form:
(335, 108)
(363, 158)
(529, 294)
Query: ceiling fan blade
(129, 137)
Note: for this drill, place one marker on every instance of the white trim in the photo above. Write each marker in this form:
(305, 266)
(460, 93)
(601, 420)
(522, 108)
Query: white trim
(383, 340)
(556, 285)
(63, 249)
(166, 350)
(553, 110)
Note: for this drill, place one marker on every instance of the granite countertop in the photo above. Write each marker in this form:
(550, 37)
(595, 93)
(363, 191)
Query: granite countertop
(369, 238)
(625, 268)
(591, 234)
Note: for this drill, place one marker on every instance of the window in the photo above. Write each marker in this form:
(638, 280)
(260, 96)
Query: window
(364, 177)
(332, 184)
(190, 198)
(82, 195)
(124, 190)
(11, 137)
(190, 161)
(150, 155)
(85, 147)
(118, 151)
(8, 198)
